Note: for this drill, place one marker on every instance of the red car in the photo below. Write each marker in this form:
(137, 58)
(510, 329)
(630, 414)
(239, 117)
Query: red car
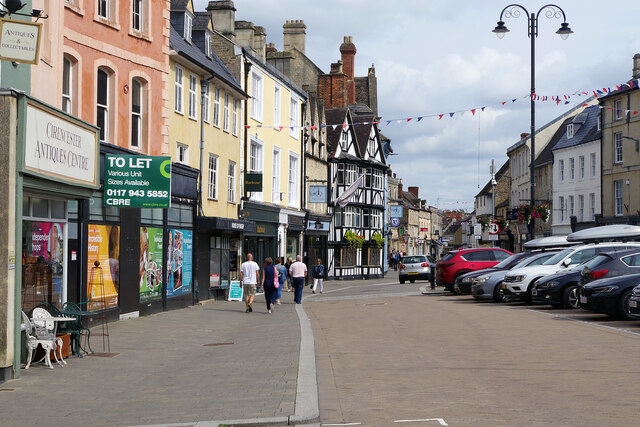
(463, 261)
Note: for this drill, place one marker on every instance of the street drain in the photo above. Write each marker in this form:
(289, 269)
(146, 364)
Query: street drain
(377, 303)
(218, 343)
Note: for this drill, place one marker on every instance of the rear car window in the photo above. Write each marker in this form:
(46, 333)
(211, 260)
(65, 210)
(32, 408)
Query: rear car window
(597, 261)
(413, 259)
(447, 257)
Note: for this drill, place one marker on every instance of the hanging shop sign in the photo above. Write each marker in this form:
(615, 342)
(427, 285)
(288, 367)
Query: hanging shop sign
(253, 182)
(394, 222)
(137, 181)
(58, 147)
(317, 194)
(395, 211)
(20, 41)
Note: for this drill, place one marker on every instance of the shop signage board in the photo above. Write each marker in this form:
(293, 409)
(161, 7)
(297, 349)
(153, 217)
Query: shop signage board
(253, 182)
(235, 291)
(395, 211)
(20, 41)
(59, 147)
(137, 181)
(394, 222)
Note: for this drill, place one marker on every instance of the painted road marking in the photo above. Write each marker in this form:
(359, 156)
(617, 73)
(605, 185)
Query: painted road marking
(628, 331)
(344, 424)
(440, 420)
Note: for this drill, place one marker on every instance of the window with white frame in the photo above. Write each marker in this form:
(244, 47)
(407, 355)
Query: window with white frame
(104, 9)
(275, 179)
(136, 15)
(351, 174)
(378, 180)
(206, 108)
(217, 94)
(581, 208)
(592, 205)
(570, 130)
(207, 44)
(617, 109)
(183, 153)
(256, 163)
(593, 165)
(561, 167)
(213, 177)
(293, 180)
(256, 96)
(617, 192)
(102, 105)
(571, 207)
(581, 165)
(226, 113)
(277, 99)
(351, 216)
(340, 174)
(344, 139)
(572, 168)
(598, 122)
(617, 147)
(293, 119)
(137, 105)
(188, 27)
(193, 100)
(231, 181)
(179, 90)
(371, 147)
(561, 205)
(67, 85)
(234, 125)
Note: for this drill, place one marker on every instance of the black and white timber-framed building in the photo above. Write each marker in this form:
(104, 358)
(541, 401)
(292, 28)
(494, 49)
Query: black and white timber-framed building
(355, 150)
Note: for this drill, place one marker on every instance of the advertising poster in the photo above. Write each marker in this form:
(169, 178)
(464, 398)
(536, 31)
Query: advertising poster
(179, 262)
(47, 248)
(151, 245)
(103, 281)
(235, 291)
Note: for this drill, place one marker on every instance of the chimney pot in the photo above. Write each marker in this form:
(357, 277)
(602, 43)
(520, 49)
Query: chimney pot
(414, 190)
(524, 135)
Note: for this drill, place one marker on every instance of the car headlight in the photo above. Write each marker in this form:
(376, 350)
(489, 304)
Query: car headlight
(467, 280)
(547, 285)
(636, 292)
(605, 289)
(519, 278)
(481, 280)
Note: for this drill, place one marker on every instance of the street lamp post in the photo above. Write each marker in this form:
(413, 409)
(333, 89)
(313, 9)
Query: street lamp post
(551, 11)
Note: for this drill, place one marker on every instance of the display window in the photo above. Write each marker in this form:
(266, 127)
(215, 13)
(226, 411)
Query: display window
(44, 242)
(103, 271)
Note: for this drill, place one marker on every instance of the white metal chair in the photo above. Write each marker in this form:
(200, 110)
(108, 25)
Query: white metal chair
(45, 334)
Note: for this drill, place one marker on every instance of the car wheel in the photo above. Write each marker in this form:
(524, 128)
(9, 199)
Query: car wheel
(570, 297)
(498, 293)
(623, 306)
(402, 281)
(412, 280)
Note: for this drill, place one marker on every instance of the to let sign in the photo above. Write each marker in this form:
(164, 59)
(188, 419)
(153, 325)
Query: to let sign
(137, 181)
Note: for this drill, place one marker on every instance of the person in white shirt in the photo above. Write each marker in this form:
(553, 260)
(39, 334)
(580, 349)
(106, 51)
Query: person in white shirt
(249, 276)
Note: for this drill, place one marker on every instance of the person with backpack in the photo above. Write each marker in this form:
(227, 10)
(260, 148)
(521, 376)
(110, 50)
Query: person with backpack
(282, 278)
(318, 275)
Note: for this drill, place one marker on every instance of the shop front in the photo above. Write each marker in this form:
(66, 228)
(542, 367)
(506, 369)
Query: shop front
(295, 228)
(316, 240)
(219, 249)
(264, 241)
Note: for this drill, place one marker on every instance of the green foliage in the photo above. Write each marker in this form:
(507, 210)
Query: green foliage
(353, 240)
(377, 239)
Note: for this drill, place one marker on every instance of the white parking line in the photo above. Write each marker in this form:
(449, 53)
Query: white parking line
(440, 420)
(628, 331)
(344, 424)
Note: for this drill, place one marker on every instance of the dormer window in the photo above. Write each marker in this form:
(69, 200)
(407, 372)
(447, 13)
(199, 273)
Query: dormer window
(344, 140)
(207, 44)
(371, 148)
(570, 130)
(188, 25)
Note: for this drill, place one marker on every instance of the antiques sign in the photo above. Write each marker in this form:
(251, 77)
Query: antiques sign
(19, 41)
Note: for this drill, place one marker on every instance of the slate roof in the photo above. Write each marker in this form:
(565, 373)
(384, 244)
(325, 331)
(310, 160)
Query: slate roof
(334, 116)
(202, 20)
(587, 132)
(213, 64)
(179, 4)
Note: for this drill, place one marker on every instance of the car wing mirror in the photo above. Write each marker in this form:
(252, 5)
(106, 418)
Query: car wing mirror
(566, 262)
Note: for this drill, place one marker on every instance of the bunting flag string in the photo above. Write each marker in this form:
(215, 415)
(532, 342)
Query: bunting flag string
(563, 99)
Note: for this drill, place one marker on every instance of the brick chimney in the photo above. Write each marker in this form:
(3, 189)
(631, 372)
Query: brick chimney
(348, 52)
(294, 35)
(414, 190)
(636, 66)
(400, 188)
(223, 14)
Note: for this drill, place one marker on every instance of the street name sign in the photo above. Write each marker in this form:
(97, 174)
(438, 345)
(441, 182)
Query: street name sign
(137, 181)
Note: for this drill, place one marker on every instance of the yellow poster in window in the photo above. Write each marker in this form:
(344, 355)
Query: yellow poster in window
(103, 276)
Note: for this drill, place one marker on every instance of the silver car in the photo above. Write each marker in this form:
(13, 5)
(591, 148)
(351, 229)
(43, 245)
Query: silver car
(417, 267)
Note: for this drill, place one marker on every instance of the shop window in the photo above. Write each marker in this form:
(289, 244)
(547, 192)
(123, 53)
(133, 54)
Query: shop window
(180, 215)
(151, 216)
(39, 207)
(99, 213)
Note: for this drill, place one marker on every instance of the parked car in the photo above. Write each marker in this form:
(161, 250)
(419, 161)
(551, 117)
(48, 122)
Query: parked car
(519, 282)
(489, 286)
(634, 302)
(611, 295)
(463, 283)
(417, 267)
(612, 264)
(457, 263)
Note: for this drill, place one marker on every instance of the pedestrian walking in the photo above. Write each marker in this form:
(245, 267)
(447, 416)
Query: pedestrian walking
(318, 275)
(298, 273)
(249, 277)
(282, 278)
(289, 278)
(269, 281)
(395, 259)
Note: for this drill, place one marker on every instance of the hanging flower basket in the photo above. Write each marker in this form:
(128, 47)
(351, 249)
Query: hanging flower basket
(541, 211)
(524, 213)
(353, 240)
(377, 240)
(502, 223)
(485, 222)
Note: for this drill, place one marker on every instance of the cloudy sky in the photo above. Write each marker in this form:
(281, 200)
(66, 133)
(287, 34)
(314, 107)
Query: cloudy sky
(436, 57)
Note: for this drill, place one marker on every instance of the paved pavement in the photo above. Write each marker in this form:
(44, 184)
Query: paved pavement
(199, 366)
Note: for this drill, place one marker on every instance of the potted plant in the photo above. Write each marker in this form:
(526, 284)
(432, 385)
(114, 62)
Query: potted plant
(353, 240)
(377, 240)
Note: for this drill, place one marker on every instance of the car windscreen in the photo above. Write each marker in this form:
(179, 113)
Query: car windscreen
(558, 257)
(413, 259)
(508, 262)
(597, 261)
